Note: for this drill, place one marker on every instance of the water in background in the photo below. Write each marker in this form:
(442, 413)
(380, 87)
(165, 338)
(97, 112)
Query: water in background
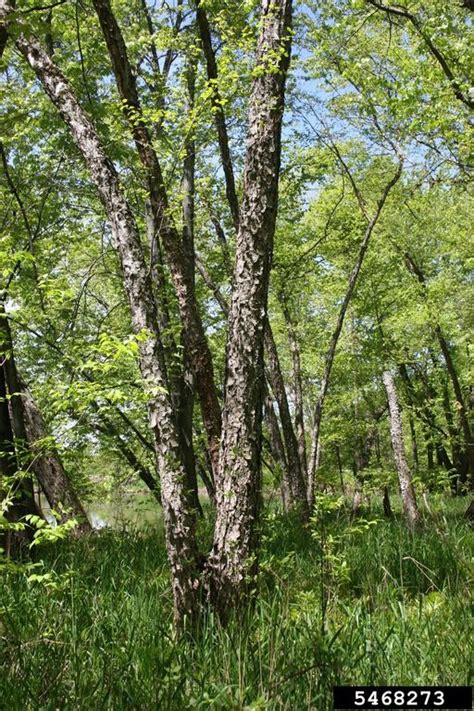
(124, 510)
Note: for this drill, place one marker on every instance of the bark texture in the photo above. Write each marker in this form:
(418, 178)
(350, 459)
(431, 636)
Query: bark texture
(233, 557)
(185, 407)
(49, 469)
(295, 470)
(178, 511)
(293, 486)
(175, 251)
(407, 491)
(29, 429)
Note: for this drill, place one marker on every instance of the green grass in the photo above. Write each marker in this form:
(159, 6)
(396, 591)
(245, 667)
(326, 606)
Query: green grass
(343, 603)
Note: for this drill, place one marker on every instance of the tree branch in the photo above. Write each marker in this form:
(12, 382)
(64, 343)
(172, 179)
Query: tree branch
(401, 11)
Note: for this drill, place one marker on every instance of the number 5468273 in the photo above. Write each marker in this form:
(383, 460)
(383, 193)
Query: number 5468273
(399, 698)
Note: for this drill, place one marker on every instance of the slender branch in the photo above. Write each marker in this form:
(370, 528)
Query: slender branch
(42, 8)
(329, 359)
(218, 111)
(401, 11)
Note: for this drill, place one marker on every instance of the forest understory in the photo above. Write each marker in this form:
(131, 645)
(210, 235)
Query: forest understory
(347, 601)
(236, 318)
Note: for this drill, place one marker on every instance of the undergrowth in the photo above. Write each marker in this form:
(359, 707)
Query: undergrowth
(342, 602)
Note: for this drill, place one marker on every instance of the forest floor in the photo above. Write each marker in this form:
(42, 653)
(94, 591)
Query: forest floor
(342, 602)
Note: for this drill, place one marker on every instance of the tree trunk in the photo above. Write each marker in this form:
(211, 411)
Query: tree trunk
(429, 455)
(278, 451)
(298, 388)
(414, 444)
(233, 562)
(16, 464)
(218, 112)
(293, 482)
(178, 511)
(362, 454)
(188, 380)
(4, 10)
(387, 507)
(29, 429)
(16, 493)
(175, 252)
(49, 469)
(296, 484)
(451, 368)
(407, 491)
(339, 467)
(295, 470)
(295, 447)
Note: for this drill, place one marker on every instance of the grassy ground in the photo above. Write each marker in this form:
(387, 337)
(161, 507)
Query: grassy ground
(344, 602)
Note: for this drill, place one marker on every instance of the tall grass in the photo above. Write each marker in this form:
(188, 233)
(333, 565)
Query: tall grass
(342, 602)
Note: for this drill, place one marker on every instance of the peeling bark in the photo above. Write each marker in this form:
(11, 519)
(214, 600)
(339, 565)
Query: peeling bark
(177, 509)
(295, 470)
(185, 407)
(176, 256)
(293, 487)
(293, 483)
(233, 561)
